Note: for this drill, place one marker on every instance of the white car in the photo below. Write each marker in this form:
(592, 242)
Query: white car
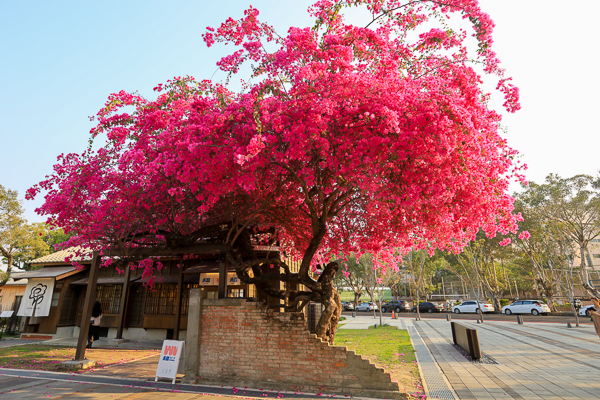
(585, 310)
(366, 307)
(470, 306)
(534, 307)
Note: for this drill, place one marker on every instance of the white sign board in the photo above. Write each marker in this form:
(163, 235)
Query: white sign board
(212, 279)
(168, 363)
(6, 314)
(37, 297)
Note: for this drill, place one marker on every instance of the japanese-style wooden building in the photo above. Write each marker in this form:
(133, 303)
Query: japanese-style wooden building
(12, 293)
(140, 311)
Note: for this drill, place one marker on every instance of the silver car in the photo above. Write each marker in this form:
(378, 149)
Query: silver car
(366, 307)
(534, 307)
(470, 306)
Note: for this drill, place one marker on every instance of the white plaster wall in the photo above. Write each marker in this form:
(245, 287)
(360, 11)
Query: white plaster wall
(65, 331)
(131, 333)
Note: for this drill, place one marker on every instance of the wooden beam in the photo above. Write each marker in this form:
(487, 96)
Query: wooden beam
(123, 305)
(199, 249)
(178, 301)
(90, 297)
(222, 279)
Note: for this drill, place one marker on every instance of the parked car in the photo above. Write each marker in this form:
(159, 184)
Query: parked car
(470, 306)
(535, 307)
(428, 307)
(348, 305)
(395, 305)
(586, 310)
(366, 307)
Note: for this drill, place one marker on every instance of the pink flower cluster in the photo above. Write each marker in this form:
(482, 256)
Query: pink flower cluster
(352, 137)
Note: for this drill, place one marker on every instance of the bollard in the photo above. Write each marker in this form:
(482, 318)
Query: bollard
(478, 321)
(519, 320)
(353, 314)
(569, 325)
(448, 317)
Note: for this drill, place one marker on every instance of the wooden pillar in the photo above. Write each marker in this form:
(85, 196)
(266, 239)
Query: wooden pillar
(90, 297)
(123, 305)
(178, 301)
(222, 279)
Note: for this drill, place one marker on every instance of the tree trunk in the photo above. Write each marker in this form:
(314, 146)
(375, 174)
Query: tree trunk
(418, 305)
(327, 325)
(583, 272)
(477, 298)
(357, 297)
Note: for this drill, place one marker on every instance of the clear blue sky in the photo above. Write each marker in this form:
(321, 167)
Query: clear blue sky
(61, 59)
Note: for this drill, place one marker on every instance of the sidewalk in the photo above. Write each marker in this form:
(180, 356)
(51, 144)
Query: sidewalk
(104, 343)
(535, 361)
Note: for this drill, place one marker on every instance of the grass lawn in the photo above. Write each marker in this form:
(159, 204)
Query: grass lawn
(387, 347)
(49, 358)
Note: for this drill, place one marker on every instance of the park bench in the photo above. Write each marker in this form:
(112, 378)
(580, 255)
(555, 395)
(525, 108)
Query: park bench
(467, 339)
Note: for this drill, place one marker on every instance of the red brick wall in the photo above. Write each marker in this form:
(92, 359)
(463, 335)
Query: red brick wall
(243, 344)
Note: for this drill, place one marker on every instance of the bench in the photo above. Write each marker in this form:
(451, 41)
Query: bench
(467, 339)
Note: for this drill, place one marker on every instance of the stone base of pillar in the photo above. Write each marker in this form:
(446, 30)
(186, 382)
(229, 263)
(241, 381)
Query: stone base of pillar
(74, 365)
(117, 341)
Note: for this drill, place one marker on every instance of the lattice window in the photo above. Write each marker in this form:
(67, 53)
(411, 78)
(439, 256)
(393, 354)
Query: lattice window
(160, 300)
(185, 297)
(109, 297)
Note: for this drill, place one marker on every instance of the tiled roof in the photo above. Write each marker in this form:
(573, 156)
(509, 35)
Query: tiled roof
(59, 257)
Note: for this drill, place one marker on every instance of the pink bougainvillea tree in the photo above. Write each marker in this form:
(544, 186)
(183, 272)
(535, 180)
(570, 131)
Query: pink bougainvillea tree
(344, 139)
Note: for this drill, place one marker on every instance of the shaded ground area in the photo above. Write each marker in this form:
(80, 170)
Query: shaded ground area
(50, 358)
(389, 348)
(22, 384)
(142, 369)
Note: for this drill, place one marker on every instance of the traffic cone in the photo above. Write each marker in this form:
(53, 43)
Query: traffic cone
(393, 315)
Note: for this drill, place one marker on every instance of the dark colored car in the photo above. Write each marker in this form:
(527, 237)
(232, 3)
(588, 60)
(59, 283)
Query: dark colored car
(395, 305)
(428, 307)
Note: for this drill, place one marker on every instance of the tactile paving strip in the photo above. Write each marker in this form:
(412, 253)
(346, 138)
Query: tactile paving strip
(436, 386)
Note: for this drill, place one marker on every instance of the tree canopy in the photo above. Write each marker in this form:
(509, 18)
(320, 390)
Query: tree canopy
(344, 139)
(19, 240)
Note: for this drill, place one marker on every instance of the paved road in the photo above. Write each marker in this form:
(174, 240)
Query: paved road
(475, 317)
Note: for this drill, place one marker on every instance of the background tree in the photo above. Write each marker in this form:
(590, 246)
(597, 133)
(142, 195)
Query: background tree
(352, 274)
(484, 260)
(347, 139)
(573, 206)
(55, 237)
(415, 265)
(19, 241)
(542, 243)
